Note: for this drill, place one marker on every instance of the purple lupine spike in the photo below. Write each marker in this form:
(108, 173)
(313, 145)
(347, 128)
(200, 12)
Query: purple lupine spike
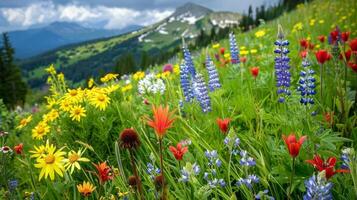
(233, 49)
(186, 82)
(188, 60)
(213, 78)
(201, 93)
(307, 83)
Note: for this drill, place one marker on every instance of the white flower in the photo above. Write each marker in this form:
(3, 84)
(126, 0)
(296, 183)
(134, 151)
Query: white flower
(151, 85)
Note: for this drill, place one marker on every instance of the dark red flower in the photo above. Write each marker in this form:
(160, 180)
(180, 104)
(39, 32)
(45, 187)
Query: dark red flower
(129, 139)
(178, 152)
(328, 166)
(353, 45)
(321, 38)
(19, 149)
(303, 54)
(132, 181)
(311, 46)
(345, 36)
(293, 145)
(104, 172)
(334, 35)
(222, 50)
(304, 43)
(322, 56)
(353, 66)
(347, 55)
(223, 124)
(329, 117)
(146, 102)
(254, 71)
(243, 59)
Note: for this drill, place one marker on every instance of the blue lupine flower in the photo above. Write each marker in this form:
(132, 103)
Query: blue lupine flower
(213, 78)
(246, 160)
(201, 92)
(282, 68)
(152, 171)
(236, 141)
(187, 172)
(346, 157)
(212, 157)
(13, 184)
(318, 188)
(188, 61)
(249, 181)
(233, 49)
(186, 83)
(263, 194)
(307, 83)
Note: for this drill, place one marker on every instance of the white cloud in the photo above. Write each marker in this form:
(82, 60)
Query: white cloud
(46, 12)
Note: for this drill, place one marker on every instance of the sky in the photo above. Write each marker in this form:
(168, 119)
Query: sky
(108, 14)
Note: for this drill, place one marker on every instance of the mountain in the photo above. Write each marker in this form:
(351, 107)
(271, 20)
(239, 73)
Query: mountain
(39, 40)
(92, 58)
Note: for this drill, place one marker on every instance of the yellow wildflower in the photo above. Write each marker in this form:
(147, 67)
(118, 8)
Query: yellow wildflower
(321, 21)
(177, 69)
(51, 163)
(65, 105)
(139, 75)
(109, 77)
(90, 83)
(40, 130)
(227, 56)
(244, 52)
(126, 88)
(73, 160)
(24, 122)
(312, 22)
(41, 150)
(242, 48)
(51, 116)
(50, 102)
(215, 46)
(60, 77)
(51, 69)
(77, 112)
(297, 27)
(111, 88)
(86, 189)
(260, 33)
(99, 100)
(74, 95)
(253, 51)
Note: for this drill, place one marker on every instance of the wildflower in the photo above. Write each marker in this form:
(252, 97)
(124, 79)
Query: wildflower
(222, 50)
(334, 36)
(99, 100)
(254, 71)
(345, 36)
(132, 181)
(188, 61)
(178, 152)
(51, 69)
(243, 59)
(40, 130)
(86, 188)
(304, 43)
(151, 85)
(168, 68)
(65, 105)
(232, 143)
(347, 55)
(109, 77)
(263, 195)
(13, 183)
(24, 122)
(307, 83)
(186, 83)
(246, 160)
(90, 83)
(129, 139)
(50, 163)
(353, 66)
(353, 45)
(321, 38)
(249, 181)
(139, 75)
(74, 95)
(19, 149)
(223, 124)
(318, 188)
(103, 172)
(127, 87)
(159, 182)
(201, 93)
(212, 157)
(259, 33)
(213, 77)
(73, 160)
(5, 149)
(244, 52)
(293, 145)
(41, 151)
(234, 49)
(215, 46)
(189, 171)
(347, 157)
(253, 51)
(162, 120)
(322, 56)
(282, 68)
(77, 112)
(51, 116)
(328, 166)
(3, 133)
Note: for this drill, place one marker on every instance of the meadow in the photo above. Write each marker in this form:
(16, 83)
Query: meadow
(265, 114)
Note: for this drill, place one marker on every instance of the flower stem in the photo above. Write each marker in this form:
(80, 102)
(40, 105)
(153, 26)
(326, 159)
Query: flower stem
(138, 184)
(291, 178)
(321, 81)
(162, 170)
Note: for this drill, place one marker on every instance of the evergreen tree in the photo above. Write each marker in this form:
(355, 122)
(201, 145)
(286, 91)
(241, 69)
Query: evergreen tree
(145, 60)
(12, 88)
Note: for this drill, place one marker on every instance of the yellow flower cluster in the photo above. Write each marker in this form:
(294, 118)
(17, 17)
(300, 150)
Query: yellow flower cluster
(260, 33)
(139, 75)
(109, 77)
(297, 27)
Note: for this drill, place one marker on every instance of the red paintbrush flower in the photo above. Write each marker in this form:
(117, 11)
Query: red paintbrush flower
(293, 145)
(222, 50)
(345, 36)
(329, 117)
(303, 54)
(353, 66)
(304, 43)
(353, 45)
(321, 38)
(178, 152)
(104, 172)
(19, 148)
(254, 71)
(334, 35)
(347, 55)
(223, 124)
(322, 56)
(328, 166)
(243, 59)
(162, 120)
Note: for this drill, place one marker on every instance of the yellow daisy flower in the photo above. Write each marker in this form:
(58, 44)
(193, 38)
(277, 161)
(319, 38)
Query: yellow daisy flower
(51, 163)
(244, 52)
(215, 46)
(253, 51)
(73, 160)
(65, 105)
(50, 102)
(86, 188)
(74, 95)
(177, 69)
(51, 116)
(41, 150)
(139, 75)
(109, 77)
(51, 69)
(60, 77)
(77, 112)
(99, 100)
(40, 130)
(90, 83)
(126, 88)
(260, 33)
(24, 122)
(111, 88)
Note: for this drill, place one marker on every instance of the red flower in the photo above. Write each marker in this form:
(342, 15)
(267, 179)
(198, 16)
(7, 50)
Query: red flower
(303, 54)
(322, 56)
(104, 172)
(221, 50)
(223, 124)
(321, 38)
(293, 145)
(162, 120)
(347, 55)
(19, 149)
(311, 46)
(178, 151)
(353, 66)
(329, 117)
(254, 71)
(243, 59)
(334, 35)
(328, 166)
(304, 43)
(353, 44)
(345, 36)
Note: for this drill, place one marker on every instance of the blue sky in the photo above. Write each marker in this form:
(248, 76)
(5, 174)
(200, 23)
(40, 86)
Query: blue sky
(109, 14)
